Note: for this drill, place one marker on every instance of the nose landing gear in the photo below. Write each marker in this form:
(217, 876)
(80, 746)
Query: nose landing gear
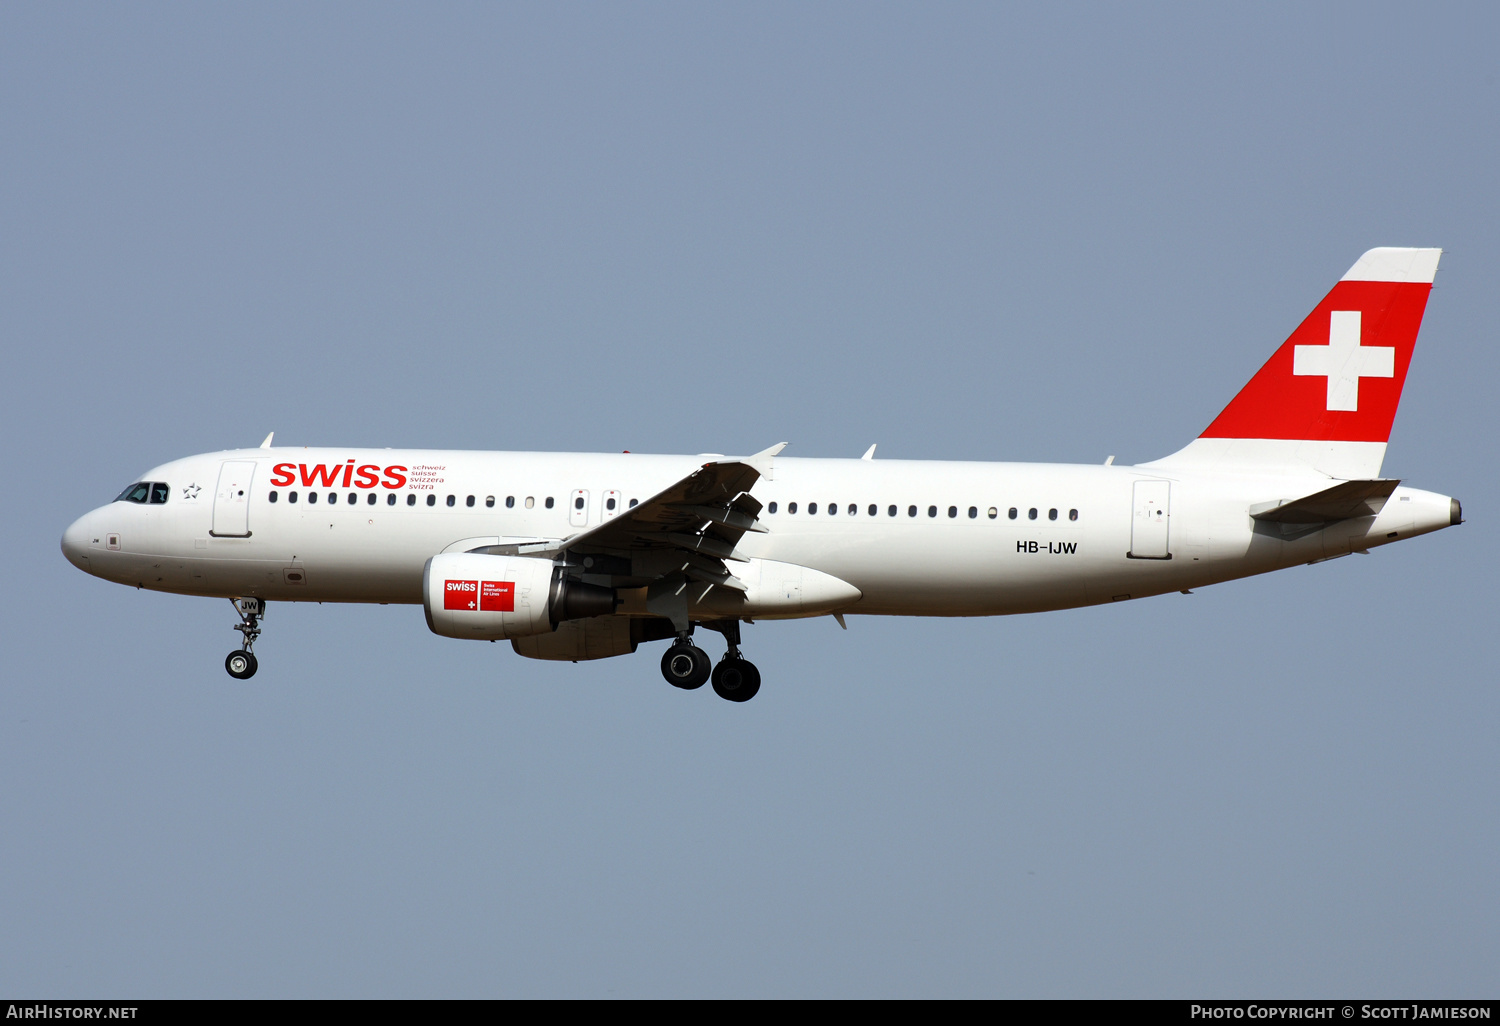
(241, 663)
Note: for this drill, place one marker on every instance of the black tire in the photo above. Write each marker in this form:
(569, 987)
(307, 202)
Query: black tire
(686, 666)
(240, 664)
(736, 679)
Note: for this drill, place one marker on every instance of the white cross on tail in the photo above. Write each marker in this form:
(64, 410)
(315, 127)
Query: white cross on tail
(1343, 361)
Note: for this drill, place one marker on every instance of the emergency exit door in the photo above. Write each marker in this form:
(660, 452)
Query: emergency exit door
(578, 508)
(1151, 525)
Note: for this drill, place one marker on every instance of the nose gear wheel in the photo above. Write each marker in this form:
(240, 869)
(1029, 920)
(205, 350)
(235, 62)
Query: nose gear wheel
(241, 664)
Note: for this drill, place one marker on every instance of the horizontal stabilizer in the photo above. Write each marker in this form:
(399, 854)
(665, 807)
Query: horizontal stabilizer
(1344, 501)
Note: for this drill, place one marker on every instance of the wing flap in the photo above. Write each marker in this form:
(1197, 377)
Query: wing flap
(693, 524)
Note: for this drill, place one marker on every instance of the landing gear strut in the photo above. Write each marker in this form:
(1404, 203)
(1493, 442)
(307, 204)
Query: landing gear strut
(241, 663)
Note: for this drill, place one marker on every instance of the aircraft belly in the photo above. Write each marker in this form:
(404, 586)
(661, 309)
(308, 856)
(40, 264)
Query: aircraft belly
(946, 576)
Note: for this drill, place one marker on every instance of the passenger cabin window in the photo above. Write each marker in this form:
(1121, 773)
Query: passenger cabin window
(469, 501)
(1072, 514)
(549, 502)
(791, 507)
(771, 508)
(1012, 513)
(390, 500)
(371, 500)
(510, 502)
(578, 502)
(312, 496)
(634, 503)
(1052, 514)
(932, 511)
(1031, 513)
(973, 512)
(833, 509)
(432, 500)
(291, 496)
(411, 498)
(355, 498)
(609, 504)
(271, 497)
(489, 502)
(952, 512)
(853, 509)
(451, 501)
(812, 508)
(994, 512)
(890, 511)
(911, 511)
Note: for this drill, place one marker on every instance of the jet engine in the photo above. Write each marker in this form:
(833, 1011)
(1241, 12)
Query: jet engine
(489, 598)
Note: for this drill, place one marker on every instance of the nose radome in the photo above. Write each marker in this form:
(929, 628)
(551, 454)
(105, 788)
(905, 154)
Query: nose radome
(75, 542)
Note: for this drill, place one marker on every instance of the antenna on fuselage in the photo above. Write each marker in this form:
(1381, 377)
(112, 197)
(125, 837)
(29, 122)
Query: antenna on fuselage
(267, 443)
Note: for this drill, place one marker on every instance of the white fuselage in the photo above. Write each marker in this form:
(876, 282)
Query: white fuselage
(961, 554)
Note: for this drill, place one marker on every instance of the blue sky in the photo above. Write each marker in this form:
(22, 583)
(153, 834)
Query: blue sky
(961, 231)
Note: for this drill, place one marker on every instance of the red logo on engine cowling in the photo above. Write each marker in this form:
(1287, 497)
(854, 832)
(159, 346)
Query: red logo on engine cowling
(497, 596)
(461, 595)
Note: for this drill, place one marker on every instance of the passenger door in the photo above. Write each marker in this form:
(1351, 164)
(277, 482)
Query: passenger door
(232, 499)
(1149, 528)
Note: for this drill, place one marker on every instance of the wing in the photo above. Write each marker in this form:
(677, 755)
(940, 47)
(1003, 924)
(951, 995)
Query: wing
(691, 527)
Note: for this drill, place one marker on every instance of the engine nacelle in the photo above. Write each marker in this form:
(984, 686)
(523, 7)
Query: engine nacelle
(489, 598)
(576, 640)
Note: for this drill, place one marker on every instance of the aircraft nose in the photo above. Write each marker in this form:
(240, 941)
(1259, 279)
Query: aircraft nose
(75, 542)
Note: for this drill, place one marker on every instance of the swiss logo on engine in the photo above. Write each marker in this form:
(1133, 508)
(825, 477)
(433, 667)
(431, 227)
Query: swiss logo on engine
(460, 594)
(497, 596)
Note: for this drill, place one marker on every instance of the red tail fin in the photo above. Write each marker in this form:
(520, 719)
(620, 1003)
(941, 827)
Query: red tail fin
(1339, 377)
(1326, 399)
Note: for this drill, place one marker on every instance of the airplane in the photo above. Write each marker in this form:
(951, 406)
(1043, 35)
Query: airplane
(587, 556)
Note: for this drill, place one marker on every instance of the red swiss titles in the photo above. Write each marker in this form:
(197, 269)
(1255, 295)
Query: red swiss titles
(339, 475)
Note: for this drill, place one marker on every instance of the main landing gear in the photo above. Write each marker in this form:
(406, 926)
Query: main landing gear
(687, 666)
(241, 663)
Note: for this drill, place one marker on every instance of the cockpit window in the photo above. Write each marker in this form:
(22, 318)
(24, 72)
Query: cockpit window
(154, 492)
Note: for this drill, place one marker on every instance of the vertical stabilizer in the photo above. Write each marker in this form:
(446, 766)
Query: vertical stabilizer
(1325, 401)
